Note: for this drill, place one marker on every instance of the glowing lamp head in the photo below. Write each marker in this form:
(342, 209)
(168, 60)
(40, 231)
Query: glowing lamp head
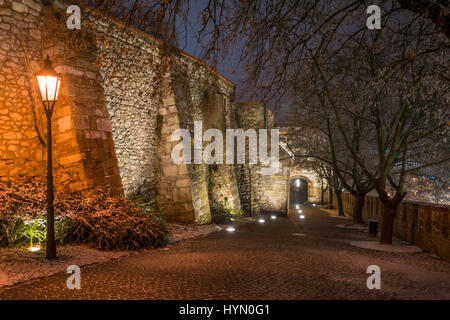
(273, 217)
(261, 220)
(302, 216)
(231, 229)
(297, 182)
(49, 82)
(300, 211)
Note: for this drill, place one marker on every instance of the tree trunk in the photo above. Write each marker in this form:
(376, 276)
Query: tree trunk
(387, 227)
(330, 196)
(339, 201)
(323, 193)
(358, 207)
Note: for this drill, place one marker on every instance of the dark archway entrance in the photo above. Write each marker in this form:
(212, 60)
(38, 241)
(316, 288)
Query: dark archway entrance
(298, 192)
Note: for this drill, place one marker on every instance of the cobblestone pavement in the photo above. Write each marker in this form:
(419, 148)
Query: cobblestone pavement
(279, 259)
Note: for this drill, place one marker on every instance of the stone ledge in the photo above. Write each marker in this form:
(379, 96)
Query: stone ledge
(396, 247)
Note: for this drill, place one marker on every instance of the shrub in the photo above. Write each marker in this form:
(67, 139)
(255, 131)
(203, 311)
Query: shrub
(27, 232)
(110, 223)
(220, 214)
(100, 220)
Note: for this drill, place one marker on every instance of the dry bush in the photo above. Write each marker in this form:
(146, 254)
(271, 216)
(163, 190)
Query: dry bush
(100, 220)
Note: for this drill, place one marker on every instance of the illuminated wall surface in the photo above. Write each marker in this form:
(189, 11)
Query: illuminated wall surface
(122, 96)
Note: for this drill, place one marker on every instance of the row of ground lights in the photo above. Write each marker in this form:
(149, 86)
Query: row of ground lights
(273, 217)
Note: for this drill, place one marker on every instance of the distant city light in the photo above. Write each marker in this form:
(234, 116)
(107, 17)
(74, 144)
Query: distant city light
(261, 220)
(273, 217)
(297, 206)
(231, 229)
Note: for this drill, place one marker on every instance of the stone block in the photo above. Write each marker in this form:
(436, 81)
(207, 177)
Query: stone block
(59, 138)
(78, 186)
(169, 101)
(15, 116)
(183, 183)
(65, 123)
(70, 159)
(30, 134)
(182, 169)
(32, 4)
(19, 7)
(103, 125)
(12, 136)
(170, 170)
(35, 34)
(81, 121)
(90, 75)
(95, 134)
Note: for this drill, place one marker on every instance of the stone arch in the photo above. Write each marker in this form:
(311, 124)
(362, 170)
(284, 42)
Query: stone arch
(309, 189)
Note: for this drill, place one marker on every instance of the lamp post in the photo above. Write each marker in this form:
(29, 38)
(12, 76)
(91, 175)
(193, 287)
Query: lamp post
(49, 83)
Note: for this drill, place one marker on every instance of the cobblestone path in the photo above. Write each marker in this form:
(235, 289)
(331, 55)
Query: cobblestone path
(279, 259)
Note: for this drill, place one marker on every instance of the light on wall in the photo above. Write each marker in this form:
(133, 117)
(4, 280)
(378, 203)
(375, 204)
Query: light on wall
(297, 183)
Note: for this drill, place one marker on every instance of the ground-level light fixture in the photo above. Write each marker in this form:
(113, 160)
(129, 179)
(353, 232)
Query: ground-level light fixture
(313, 204)
(273, 217)
(302, 216)
(34, 249)
(231, 229)
(261, 220)
(49, 84)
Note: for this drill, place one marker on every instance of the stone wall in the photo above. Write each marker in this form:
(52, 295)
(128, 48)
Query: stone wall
(314, 191)
(129, 65)
(251, 115)
(274, 189)
(22, 151)
(425, 225)
(83, 152)
(123, 94)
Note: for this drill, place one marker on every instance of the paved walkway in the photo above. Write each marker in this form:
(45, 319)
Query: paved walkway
(280, 259)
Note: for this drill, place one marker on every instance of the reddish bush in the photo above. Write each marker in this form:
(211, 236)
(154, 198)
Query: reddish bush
(101, 220)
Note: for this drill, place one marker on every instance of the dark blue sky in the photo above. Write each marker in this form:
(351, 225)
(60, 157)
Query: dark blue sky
(228, 67)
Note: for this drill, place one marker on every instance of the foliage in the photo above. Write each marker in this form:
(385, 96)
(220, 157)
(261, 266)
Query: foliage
(101, 220)
(23, 231)
(221, 214)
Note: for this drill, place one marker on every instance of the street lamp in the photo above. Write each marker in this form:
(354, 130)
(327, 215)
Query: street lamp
(49, 83)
